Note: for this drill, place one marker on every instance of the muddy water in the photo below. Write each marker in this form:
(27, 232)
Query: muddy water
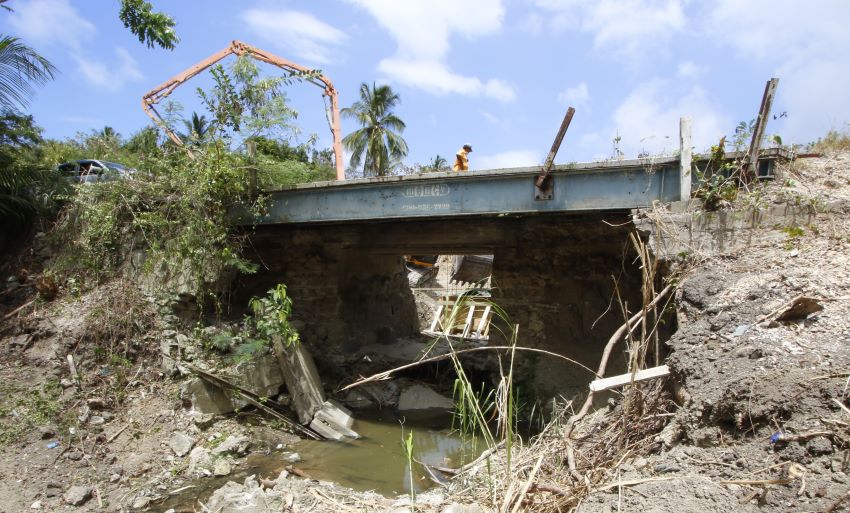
(374, 462)
(377, 461)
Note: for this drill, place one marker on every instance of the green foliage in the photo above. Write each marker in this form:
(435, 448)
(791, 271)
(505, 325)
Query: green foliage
(407, 447)
(152, 28)
(793, 231)
(26, 189)
(379, 141)
(438, 163)
(718, 182)
(177, 214)
(243, 104)
(271, 316)
(20, 68)
(21, 410)
(743, 134)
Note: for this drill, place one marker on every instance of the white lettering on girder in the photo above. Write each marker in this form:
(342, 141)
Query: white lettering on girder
(426, 190)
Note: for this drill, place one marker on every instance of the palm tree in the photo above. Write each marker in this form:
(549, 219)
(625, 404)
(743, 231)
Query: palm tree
(197, 130)
(20, 68)
(438, 163)
(379, 140)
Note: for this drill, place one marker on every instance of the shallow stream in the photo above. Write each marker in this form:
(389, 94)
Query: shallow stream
(376, 461)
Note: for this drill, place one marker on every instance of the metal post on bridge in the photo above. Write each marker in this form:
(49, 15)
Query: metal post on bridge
(685, 159)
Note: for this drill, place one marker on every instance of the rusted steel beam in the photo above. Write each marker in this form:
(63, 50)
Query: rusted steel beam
(543, 183)
(751, 166)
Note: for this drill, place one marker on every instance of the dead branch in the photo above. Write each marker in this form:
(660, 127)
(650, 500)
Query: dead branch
(386, 374)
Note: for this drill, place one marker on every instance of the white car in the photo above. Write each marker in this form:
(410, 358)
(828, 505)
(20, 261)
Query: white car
(90, 171)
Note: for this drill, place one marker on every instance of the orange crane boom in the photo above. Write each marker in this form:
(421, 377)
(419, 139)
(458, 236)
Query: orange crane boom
(239, 49)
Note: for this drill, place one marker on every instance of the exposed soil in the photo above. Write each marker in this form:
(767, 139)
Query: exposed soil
(755, 416)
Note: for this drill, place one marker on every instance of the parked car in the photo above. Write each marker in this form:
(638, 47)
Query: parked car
(90, 171)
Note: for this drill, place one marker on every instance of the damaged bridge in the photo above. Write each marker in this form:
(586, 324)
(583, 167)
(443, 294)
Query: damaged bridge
(558, 254)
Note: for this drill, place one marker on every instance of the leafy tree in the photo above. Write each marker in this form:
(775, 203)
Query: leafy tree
(143, 142)
(25, 188)
(152, 28)
(243, 104)
(379, 141)
(197, 130)
(20, 68)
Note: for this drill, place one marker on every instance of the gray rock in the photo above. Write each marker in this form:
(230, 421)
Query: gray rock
(77, 495)
(292, 457)
(664, 468)
(234, 444)
(52, 490)
(222, 467)
(141, 502)
(181, 443)
(819, 446)
(421, 397)
(199, 460)
(206, 398)
(464, 508)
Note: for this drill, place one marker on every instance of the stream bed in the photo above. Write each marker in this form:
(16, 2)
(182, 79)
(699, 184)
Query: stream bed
(375, 462)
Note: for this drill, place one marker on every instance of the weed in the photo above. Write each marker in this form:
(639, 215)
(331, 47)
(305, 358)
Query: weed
(793, 231)
(21, 410)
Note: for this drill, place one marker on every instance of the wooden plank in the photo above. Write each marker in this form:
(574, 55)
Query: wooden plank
(436, 320)
(485, 319)
(467, 326)
(758, 132)
(624, 379)
(685, 159)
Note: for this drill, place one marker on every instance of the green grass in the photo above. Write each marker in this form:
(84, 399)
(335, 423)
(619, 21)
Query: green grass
(23, 409)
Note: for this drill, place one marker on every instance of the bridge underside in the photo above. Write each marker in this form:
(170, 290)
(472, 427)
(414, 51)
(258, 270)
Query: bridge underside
(554, 275)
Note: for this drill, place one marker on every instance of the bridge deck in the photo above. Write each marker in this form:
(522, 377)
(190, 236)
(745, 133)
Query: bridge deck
(583, 187)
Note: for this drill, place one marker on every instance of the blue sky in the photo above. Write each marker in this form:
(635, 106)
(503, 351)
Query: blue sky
(498, 74)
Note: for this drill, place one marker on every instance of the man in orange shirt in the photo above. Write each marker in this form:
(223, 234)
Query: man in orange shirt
(462, 158)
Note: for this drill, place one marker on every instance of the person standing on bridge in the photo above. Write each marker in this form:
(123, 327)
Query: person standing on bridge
(462, 158)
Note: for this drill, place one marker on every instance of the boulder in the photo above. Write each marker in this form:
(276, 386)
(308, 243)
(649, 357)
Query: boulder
(199, 460)
(233, 444)
(421, 397)
(77, 495)
(181, 443)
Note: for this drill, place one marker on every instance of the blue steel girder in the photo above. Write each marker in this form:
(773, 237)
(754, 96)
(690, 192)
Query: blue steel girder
(598, 186)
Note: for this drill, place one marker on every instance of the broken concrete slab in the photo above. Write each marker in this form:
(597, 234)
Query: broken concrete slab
(333, 421)
(302, 379)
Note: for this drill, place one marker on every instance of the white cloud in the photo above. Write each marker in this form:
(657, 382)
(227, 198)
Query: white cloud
(423, 29)
(648, 119)
(630, 28)
(513, 158)
(50, 21)
(495, 120)
(806, 48)
(109, 77)
(303, 34)
(575, 96)
(691, 70)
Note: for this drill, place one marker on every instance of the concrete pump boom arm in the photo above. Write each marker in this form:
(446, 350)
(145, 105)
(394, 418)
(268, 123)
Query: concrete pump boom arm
(239, 49)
